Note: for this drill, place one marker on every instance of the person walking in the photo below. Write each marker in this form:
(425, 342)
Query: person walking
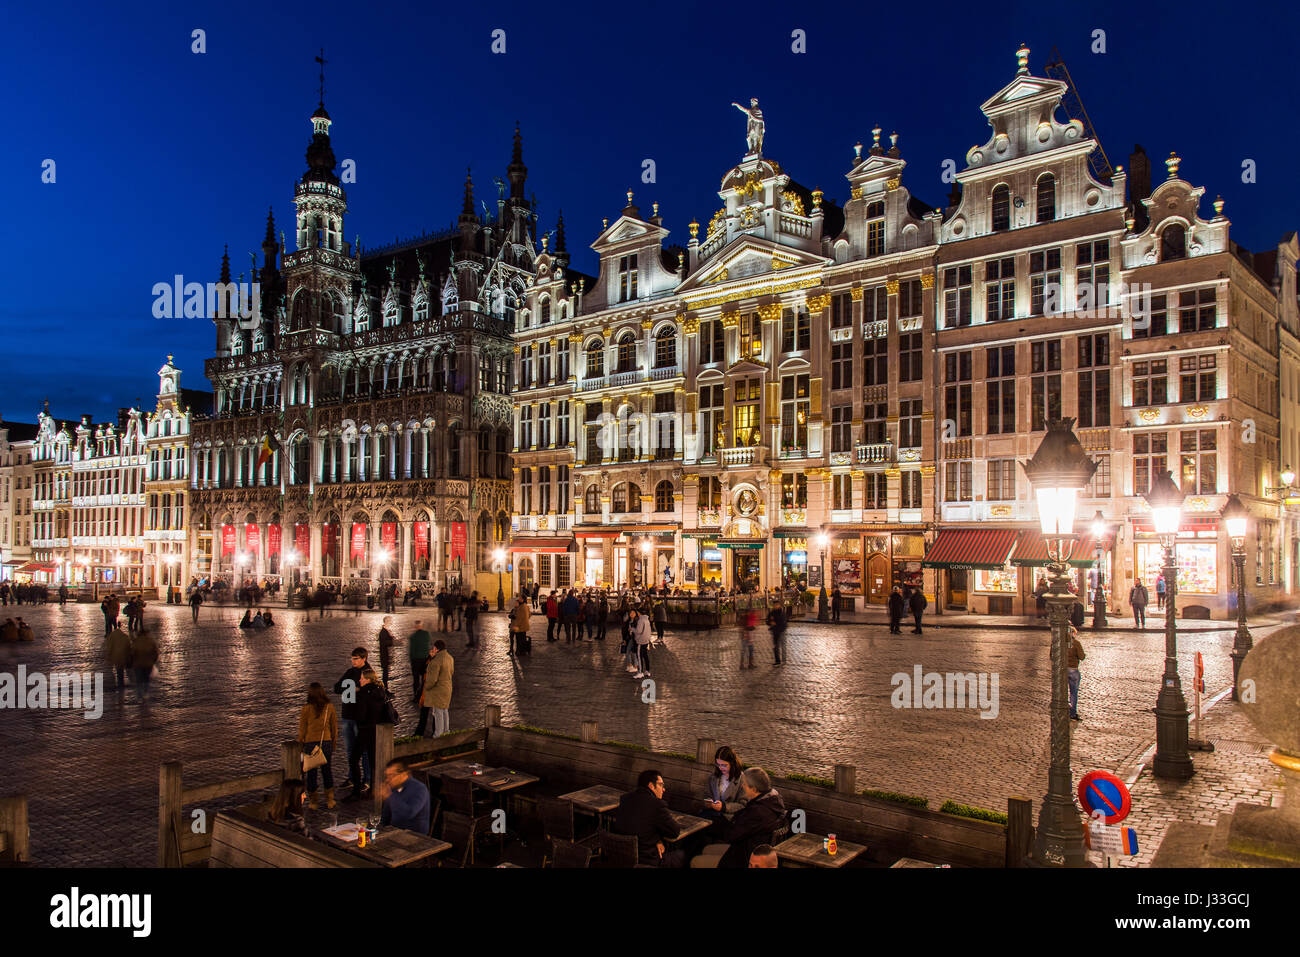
(144, 655)
(118, 648)
(602, 613)
(1160, 592)
(318, 727)
(196, 600)
(436, 696)
(348, 687)
(661, 618)
(917, 602)
(777, 624)
(109, 606)
(589, 612)
(836, 597)
(1137, 597)
(897, 608)
(63, 595)
(641, 637)
(418, 649)
(519, 621)
(748, 622)
(471, 620)
(386, 642)
(1072, 659)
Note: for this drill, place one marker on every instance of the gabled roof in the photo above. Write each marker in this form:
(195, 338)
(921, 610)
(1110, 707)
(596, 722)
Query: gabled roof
(747, 255)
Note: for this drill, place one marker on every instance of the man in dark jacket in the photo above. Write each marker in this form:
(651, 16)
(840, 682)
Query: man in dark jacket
(570, 612)
(348, 687)
(385, 648)
(644, 814)
(897, 608)
(754, 824)
(420, 641)
(777, 624)
(917, 602)
(371, 710)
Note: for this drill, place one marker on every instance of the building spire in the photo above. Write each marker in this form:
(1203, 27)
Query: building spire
(517, 171)
(559, 233)
(225, 264)
(467, 207)
(322, 61)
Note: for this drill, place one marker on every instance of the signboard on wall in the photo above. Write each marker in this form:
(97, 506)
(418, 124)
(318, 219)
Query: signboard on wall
(689, 573)
(814, 576)
(227, 539)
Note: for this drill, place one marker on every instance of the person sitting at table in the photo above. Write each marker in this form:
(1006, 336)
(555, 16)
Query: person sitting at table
(286, 809)
(643, 813)
(764, 856)
(406, 799)
(754, 824)
(724, 797)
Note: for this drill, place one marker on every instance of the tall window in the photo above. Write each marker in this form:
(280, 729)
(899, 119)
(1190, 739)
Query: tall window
(876, 493)
(1149, 459)
(1094, 380)
(841, 491)
(1092, 275)
(1000, 289)
(794, 412)
(909, 424)
(1173, 243)
(957, 481)
(796, 330)
(841, 428)
(1045, 384)
(751, 336)
(525, 428)
(875, 305)
(544, 364)
(1046, 198)
(562, 362)
(626, 353)
(909, 298)
(1000, 376)
(909, 357)
(875, 361)
(1198, 378)
(526, 491)
(562, 488)
(562, 424)
(1198, 460)
(544, 489)
(957, 396)
(525, 368)
(875, 419)
(666, 348)
(710, 494)
(665, 426)
(1001, 208)
(794, 490)
(627, 273)
(711, 340)
(591, 500)
(1197, 310)
(841, 311)
(1099, 486)
(956, 296)
(664, 497)
(543, 426)
(1151, 382)
(748, 394)
(1150, 317)
(909, 489)
(712, 401)
(544, 311)
(595, 360)
(1045, 282)
(842, 365)
(1001, 480)
(876, 229)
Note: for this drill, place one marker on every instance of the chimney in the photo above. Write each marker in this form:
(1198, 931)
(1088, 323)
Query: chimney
(1139, 185)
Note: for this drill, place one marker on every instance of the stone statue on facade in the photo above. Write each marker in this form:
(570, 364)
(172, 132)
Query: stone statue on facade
(755, 128)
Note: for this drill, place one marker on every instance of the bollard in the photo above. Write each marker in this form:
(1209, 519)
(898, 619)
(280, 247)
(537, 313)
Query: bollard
(169, 811)
(383, 754)
(705, 748)
(1020, 830)
(846, 776)
(590, 732)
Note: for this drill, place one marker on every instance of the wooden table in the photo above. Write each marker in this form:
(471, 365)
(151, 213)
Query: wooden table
(395, 846)
(496, 780)
(598, 799)
(689, 824)
(912, 862)
(806, 849)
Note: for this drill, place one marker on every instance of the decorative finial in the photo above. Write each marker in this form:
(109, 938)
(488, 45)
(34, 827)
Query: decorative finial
(1218, 206)
(655, 207)
(893, 139)
(169, 359)
(604, 223)
(694, 227)
(1022, 59)
(1128, 222)
(817, 199)
(1171, 164)
(545, 241)
(629, 197)
(857, 150)
(875, 136)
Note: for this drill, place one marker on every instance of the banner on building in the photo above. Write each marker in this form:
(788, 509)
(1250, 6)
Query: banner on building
(329, 535)
(459, 540)
(227, 539)
(302, 541)
(252, 538)
(358, 540)
(421, 532)
(273, 539)
(388, 539)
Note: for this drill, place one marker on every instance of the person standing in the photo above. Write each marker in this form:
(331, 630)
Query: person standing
(1076, 614)
(1072, 660)
(552, 616)
(661, 618)
(144, 655)
(386, 642)
(1160, 592)
(602, 612)
(419, 652)
(119, 655)
(917, 603)
(1040, 597)
(641, 636)
(109, 606)
(589, 617)
(519, 621)
(777, 624)
(437, 691)
(1137, 597)
(196, 599)
(836, 596)
(897, 608)
(373, 703)
(63, 595)
(318, 727)
(471, 619)
(348, 688)
(571, 613)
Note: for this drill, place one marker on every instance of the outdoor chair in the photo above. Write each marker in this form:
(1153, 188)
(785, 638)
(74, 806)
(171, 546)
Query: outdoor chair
(558, 822)
(458, 831)
(568, 854)
(618, 850)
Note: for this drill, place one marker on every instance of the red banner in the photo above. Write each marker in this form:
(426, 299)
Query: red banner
(329, 536)
(273, 539)
(252, 538)
(227, 539)
(302, 542)
(459, 539)
(421, 532)
(388, 538)
(358, 540)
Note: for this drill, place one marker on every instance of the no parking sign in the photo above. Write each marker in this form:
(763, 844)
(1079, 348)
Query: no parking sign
(1102, 792)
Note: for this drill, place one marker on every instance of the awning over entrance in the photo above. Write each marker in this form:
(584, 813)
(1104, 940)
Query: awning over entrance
(546, 546)
(1031, 549)
(28, 568)
(970, 548)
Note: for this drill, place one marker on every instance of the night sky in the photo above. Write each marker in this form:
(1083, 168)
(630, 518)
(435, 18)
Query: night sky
(164, 155)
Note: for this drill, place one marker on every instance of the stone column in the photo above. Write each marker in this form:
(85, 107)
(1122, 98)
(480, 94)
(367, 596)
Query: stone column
(407, 550)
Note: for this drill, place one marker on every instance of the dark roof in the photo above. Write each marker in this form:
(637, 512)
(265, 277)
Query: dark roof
(19, 431)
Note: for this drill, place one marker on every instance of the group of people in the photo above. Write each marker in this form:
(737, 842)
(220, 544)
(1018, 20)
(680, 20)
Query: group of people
(262, 620)
(137, 651)
(29, 593)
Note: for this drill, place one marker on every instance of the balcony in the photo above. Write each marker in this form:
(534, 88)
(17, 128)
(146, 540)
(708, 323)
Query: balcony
(746, 455)
(624, 378)
(665, 372)
(878, 452)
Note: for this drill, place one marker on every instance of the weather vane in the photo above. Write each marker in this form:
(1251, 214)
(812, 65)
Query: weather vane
(322, 61)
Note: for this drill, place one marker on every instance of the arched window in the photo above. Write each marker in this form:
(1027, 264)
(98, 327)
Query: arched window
(664, 496)
(619, 504)
(1046, 198)
(595, 360)
(237, 344)
(481, 536)
(633, 497)
(259, 341)
(421, 309)
(300, 316)
(544, 307)
(666, 348)
(1173, 243)
(591, 500)
(626, 352)
(390, 315)
(1001, 208)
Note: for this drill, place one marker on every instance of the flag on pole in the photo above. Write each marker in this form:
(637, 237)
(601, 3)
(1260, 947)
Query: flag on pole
(267, 449)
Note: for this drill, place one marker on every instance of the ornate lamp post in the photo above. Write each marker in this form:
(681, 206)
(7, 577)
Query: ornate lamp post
(1172, 758)
(1099, 528)
(499, 555)
(823, 612)
(645, 563)
(1235, 517)
(1058, 471)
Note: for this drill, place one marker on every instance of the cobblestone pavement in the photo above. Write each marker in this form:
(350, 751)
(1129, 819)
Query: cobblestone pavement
(225, 699)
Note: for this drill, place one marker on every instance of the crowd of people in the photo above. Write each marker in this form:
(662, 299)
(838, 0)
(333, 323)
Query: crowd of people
(27, 593)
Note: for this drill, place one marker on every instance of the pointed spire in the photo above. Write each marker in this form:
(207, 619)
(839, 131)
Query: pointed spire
(467, 208)
(225, 265)
(559, 233)
(517, 171)
(270, 227)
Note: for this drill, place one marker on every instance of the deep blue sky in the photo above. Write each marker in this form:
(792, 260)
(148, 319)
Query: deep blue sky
(163, 155)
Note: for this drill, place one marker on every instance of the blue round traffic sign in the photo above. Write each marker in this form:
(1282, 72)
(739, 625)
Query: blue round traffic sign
(1102, 791)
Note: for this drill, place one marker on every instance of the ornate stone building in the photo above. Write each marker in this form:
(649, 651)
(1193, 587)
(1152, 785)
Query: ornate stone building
(378, 382)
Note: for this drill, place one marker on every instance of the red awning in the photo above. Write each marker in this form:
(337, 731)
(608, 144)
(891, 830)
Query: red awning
(545, 546)
(29, 567)
(970, 548)
(603, 532)
(1031, 549)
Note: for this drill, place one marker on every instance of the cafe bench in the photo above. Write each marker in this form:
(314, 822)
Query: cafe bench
(239, 840)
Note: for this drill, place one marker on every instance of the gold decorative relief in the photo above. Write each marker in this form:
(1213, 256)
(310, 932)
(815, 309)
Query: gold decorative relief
(1149, 415)
(1197, 412)
(891, 287)
(770, 312)
(647, 323)
(792, 203)
(730, 320)
(927, 281)
(1000, 511)
(856, 192)
(892, 184)
(691, 326)
(856, 293)
(818, 303)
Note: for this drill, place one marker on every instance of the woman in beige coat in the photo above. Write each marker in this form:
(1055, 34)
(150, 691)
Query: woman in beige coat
(436, 696)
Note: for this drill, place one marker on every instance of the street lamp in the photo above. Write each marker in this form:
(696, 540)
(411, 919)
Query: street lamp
(645, 566)
(1099, 527)
(822, 612)
(499, 555)
(1057, 472)
(1172, 759)
(1235, 516)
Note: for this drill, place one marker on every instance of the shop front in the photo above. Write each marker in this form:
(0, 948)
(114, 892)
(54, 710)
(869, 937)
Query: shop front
(1197, 558)
(794, 557)
(746, 563)
(975, 562)
(845, 572)
(907, 550)
(1031, 559)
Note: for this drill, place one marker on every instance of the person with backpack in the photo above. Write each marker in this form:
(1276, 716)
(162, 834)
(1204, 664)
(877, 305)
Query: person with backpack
(374, 707)
(777, 624)
(1137, 597)
(917, 602)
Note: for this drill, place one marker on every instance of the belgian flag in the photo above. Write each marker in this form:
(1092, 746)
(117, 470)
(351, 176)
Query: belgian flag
(268, 448)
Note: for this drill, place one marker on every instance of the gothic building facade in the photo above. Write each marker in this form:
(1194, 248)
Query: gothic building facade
(361, 430)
